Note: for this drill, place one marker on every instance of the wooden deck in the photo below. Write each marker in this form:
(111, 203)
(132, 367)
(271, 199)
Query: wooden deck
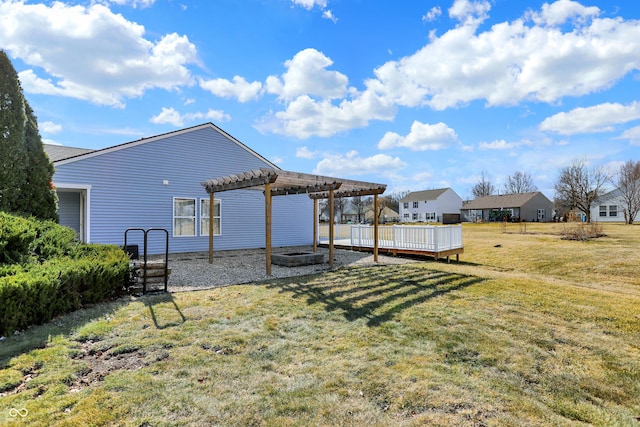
(445, 254)
(412, 240)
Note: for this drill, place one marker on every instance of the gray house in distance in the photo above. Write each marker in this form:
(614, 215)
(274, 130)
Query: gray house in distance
(611, 207)
(533, 206)
(430, 205)
(155, 182)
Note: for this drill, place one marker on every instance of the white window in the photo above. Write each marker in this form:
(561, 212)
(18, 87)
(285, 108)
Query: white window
(541, 214)
(603, 210)
(415, 216)
(415, 205)
(406, 215)
(613, 210)
(405, 205)
(204, 217)
(184, 217)
(431, 216)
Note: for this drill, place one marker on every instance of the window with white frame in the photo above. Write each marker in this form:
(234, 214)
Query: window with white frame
(431, 216)
(608, 210)
(405, 205)
(415, 205)
(204, 217)
(541, 214)
(184, 217)
(603, 210)
(407, 216)
(415, 216)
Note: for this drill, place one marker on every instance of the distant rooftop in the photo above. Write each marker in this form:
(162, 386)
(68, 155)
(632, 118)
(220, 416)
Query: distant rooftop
(59, 152)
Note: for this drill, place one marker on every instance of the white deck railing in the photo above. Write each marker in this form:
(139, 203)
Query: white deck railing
(431, 238)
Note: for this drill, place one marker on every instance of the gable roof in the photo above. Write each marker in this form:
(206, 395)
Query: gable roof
(426, 195)
(59, 152)
(71, 156)
(501, 201)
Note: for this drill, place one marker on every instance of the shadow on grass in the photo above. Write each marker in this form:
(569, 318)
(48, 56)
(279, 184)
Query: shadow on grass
(157, 315)
(376, 293)
(38, 336)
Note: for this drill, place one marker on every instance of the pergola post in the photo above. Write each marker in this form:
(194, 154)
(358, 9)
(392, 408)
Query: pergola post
(267, 223)
(331, 221)
(375, 228)
(211, 210)
(315, 225)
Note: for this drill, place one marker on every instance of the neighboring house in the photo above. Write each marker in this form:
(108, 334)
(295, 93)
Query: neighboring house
(429, 205)
(156, 182)
(387, 215)
(533, 206)
(610, 207)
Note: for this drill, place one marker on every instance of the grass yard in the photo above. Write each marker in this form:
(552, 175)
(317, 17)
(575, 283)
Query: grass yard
(527, 330)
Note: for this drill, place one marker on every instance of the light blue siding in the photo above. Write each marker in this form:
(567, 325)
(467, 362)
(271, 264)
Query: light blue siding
(128, 190)
(69, 212)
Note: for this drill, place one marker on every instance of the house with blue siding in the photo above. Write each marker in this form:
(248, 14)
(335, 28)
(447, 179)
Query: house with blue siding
(155, 182)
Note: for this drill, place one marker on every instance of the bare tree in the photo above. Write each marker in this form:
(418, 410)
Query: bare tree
(339, 204)
(360, 206)
(627, 179)
(579, 186)
(385, 202)
(483, 188)
(519, 182)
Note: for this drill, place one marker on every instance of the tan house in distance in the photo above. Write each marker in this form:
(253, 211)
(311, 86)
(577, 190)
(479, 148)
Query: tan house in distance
(533, 206)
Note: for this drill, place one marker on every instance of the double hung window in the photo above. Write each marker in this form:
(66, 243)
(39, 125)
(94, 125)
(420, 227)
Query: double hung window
(184, 217)
(204, 217)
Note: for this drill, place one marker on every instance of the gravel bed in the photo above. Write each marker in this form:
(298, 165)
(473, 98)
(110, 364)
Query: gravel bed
(192, 271)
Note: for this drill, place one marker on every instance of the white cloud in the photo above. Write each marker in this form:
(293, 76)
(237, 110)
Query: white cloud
(598, 118)
(306, 117)
(307, 75)
(351, 164)
(305, 153)
(514, 61)
(49, 127)
(563, 49)
(309, 4)
(239, 88)
(501, 144)
(633, 135)
(327, 14)
(562, 11)
(422, 137)
(469, 11)
(134, 3)
(172, 116)
(90, 53)
(322, 4)
(432, 14)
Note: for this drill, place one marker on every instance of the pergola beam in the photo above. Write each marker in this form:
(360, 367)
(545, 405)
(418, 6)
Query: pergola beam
(280, 183)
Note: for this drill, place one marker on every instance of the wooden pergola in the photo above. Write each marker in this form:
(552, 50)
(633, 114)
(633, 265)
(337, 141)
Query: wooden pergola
(276, 182)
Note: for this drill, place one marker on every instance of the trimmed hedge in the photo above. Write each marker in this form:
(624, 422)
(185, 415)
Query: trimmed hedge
(54, 274)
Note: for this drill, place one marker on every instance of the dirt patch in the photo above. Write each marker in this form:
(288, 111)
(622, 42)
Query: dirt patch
(102, 359)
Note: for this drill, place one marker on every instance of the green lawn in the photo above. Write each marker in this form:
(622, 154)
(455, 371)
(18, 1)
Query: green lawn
(528, 329)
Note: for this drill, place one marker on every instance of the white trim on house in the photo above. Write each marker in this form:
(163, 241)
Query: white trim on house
(204, 213)
(84, 233)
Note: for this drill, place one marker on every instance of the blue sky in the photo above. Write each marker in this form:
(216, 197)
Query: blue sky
(415, 94)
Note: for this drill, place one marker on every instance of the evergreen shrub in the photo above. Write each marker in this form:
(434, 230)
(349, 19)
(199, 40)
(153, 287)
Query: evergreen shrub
(45, 272)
